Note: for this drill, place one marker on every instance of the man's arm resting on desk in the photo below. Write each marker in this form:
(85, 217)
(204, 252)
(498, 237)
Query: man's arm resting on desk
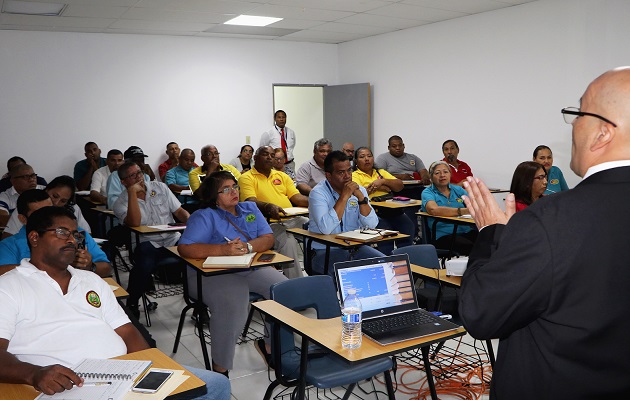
(50, 379)
(132, 337)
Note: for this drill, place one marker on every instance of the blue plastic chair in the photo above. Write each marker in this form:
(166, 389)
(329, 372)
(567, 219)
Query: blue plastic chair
(323, 370)
(426, 256)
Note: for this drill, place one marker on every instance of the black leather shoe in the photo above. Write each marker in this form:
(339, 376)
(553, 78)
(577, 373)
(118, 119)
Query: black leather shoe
(262, 350)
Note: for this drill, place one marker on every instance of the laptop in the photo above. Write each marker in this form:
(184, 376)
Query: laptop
(388, 298)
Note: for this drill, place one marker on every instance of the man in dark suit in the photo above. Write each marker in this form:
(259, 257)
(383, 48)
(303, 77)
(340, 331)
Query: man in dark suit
(552, 282)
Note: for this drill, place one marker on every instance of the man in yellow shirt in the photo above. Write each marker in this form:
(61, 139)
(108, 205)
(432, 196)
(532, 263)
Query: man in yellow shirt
(211, 163)
(272, 191)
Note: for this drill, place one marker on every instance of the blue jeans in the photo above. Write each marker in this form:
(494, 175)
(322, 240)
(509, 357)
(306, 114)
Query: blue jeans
(338, 254)
(218, 385)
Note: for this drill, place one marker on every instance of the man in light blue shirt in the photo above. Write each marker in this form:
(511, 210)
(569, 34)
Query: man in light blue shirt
(337, 204)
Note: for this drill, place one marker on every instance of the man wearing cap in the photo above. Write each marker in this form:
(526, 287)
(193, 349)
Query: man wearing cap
(211, 163)
(115, 187)
(84, 169)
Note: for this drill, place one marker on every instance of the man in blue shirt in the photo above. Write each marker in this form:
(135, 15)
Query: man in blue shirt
(337, 204)
(177, 178)
(14, 248)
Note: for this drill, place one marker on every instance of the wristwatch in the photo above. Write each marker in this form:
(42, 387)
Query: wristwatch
(364, 201)
(250, 248)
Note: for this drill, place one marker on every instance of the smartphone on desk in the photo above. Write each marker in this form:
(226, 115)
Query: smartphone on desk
(266, 257)
(152, 381)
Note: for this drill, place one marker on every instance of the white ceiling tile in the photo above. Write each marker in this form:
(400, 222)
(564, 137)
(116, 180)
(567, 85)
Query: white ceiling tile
(213, 6)
(462, 6)
(251, 30)
(159, 25)
(151, 32)
(39, 20)
(158, 14)
(379, 20)
(335, 5)
(338, 37)
(296, 23)
(351, 28)
(234, 36)
(269, 10)
(93, 11)
(399, 10)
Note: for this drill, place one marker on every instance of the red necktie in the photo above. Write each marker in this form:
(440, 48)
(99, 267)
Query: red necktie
(284, 145)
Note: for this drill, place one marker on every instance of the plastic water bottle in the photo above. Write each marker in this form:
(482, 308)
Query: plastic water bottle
(351, 321)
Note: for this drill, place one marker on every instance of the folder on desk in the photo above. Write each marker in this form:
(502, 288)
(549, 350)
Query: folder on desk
(366, 235)
(243, 261)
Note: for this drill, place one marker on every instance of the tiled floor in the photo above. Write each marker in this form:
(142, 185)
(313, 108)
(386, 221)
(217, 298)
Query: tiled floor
(249, 378)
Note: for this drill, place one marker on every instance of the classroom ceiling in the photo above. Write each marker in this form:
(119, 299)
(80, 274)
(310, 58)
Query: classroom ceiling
(321, 21)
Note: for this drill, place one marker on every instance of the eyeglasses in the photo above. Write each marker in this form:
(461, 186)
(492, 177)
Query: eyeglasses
(133, 175)
(227, 190)
(27, 177)
(64, 234)
(212, 153)
(541, 177)
(571, 113)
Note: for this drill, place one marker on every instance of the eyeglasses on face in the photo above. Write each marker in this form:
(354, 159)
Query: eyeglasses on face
(570, 114)
(227, 190)
(26, 177)
(64, 233)
(133, 175)
(541, 177)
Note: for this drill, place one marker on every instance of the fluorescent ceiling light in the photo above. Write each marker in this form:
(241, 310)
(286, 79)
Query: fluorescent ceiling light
(252, 20)
(32, 8)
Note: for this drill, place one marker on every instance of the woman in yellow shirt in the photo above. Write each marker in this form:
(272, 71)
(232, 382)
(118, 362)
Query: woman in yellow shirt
(379, 182)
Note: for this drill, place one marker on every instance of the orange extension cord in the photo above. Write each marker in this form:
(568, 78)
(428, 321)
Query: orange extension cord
(468, 385)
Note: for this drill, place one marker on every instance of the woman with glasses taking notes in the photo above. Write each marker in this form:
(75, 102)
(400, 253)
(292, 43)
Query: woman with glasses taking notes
(224, 227)
(555, 178)
(529, 183)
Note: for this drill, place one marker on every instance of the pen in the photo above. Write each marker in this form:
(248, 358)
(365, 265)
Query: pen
(96, 383)
(226, 239)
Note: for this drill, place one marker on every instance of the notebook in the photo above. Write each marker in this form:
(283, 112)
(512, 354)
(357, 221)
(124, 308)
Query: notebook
(385, 287)
(103, 380)
(366, 235)
(243, 261)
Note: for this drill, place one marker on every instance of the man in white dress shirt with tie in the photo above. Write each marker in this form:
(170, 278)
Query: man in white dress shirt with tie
(281, 136)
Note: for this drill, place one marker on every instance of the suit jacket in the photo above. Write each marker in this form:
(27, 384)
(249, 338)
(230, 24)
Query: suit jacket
(554, 285)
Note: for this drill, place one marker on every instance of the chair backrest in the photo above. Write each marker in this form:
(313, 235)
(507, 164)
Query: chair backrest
(317, 292)
(424, 255)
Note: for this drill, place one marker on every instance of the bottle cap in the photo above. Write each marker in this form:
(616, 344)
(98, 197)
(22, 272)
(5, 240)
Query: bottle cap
(352, 291)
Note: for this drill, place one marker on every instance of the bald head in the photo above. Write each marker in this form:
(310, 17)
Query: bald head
(596, 141)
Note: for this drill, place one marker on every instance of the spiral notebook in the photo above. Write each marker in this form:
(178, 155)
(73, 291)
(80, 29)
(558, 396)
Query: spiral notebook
(103, 380)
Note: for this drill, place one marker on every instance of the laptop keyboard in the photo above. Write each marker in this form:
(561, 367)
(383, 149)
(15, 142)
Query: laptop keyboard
(397, 322)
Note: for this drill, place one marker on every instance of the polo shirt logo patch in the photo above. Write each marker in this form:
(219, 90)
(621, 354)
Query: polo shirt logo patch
(277, 182)
(555, 181)
(412, 162)
(93, 299)
(250, 218)
(353, 203)
(460, 200)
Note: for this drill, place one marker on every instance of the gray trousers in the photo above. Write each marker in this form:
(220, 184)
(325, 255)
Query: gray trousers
(227, 298)
(286, 244)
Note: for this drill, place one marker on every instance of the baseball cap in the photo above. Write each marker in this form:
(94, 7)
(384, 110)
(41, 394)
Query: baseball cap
(133, 151)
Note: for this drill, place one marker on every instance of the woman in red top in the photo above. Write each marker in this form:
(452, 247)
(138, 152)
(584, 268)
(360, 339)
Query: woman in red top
(528, 183)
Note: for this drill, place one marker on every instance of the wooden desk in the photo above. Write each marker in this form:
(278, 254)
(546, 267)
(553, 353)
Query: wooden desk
(456, 221)
(327, 334)
(193, 386)
(120, 293)
(394, 204)
(197, 305)
(330, 240)
(147, 230)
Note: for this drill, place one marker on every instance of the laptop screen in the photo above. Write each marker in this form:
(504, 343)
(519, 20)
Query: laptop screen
(384, 285)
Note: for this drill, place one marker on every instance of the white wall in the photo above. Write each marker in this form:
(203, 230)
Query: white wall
(495, 82)
(60, 90)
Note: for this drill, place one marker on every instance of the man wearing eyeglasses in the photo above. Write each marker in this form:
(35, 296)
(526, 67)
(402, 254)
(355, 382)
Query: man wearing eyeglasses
(338, 204)
(14, 248)
(53, 315)
(211, 163)
(551, 281)
(147, 203)
(22, 178)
